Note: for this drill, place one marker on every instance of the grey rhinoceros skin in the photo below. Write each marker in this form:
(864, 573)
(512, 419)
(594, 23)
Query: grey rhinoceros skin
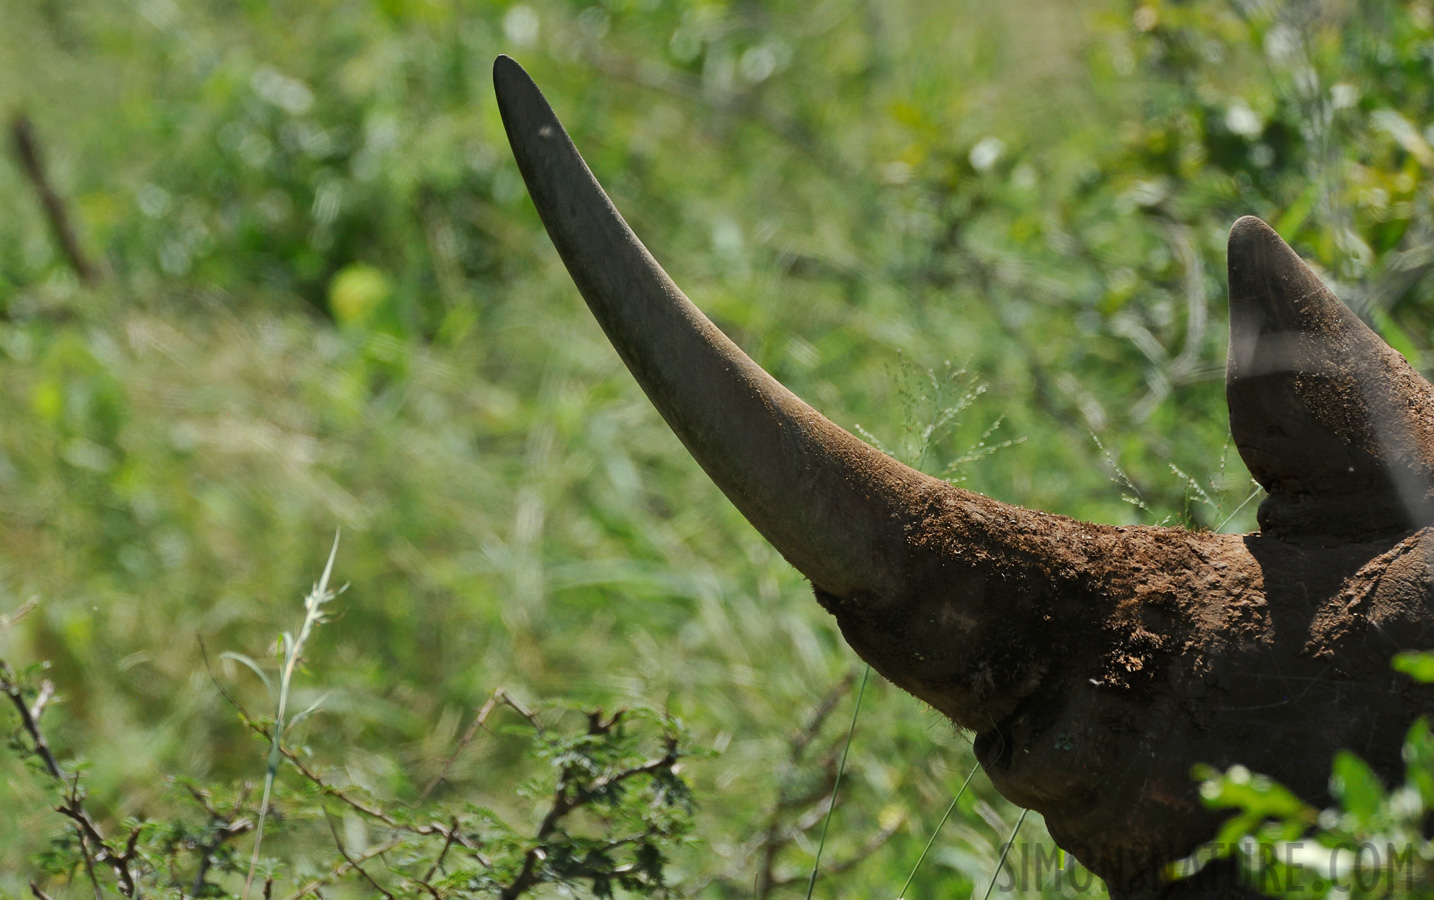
(1096, 665)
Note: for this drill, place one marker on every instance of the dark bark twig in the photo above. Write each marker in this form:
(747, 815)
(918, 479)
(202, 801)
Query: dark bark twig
(225, 828)
(27, 151)
(317, 780)
(776, 837)
(30, 721)
(447, 844)
(90, 835)
(338, 842)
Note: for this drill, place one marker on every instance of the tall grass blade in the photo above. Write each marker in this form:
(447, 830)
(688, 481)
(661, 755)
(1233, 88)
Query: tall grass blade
(1005, 851)
(1253, 494)
(939, 825)
(836, 785)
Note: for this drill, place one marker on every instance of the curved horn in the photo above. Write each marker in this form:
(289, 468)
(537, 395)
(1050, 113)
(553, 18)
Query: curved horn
(1331, 420)
(825, 499)
(947, 593)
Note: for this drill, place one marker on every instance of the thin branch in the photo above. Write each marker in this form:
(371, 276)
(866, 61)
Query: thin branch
(74, 810)
(776, 837)
(90, 865)
(318, 780)
(338, 842)
(453, 835)
(225, 828)
(27, 151)
(836, 785)
(810, 804)
(341, 869)
(447, 843)
(819, 716)
(85, 827)
(498, 697)
(563, 803)
(42, 699)
(30, 721)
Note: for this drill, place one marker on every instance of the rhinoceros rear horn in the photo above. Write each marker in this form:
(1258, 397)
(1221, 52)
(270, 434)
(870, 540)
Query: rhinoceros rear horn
(836, 508)
(1331, 420)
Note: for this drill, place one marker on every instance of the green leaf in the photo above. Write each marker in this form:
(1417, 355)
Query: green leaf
(1416, 664)
(1254, 794)
(308, 711)
(1419, 760)
(1356, 787)
(252, 666)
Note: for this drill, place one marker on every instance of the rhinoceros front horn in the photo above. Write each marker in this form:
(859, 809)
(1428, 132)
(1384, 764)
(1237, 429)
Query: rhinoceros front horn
(832, 505)
(940, 589)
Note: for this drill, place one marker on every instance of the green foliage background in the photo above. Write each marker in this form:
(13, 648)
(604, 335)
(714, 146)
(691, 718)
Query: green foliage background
(328, 302)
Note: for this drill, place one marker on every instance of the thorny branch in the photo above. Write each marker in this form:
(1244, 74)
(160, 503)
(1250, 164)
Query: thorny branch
(93, 846)
(224, 827)
(451, 834)
(442, 854)
(308, 773)
(566, 799)
(568, 796)
(30, 716)
(578, 785)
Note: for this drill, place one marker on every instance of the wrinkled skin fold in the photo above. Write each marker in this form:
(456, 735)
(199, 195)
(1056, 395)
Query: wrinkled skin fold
(1095, 664)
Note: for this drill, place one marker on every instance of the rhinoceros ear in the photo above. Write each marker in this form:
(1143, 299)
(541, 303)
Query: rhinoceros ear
(1332, 421)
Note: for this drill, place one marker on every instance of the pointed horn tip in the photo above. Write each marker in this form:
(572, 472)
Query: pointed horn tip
(1250, 230)
(509, 77)
(527, 117)
(504, 66)
(1257, 252)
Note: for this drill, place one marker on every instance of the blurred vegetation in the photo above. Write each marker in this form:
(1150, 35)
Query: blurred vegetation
(323, 299)
(1373, 841)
